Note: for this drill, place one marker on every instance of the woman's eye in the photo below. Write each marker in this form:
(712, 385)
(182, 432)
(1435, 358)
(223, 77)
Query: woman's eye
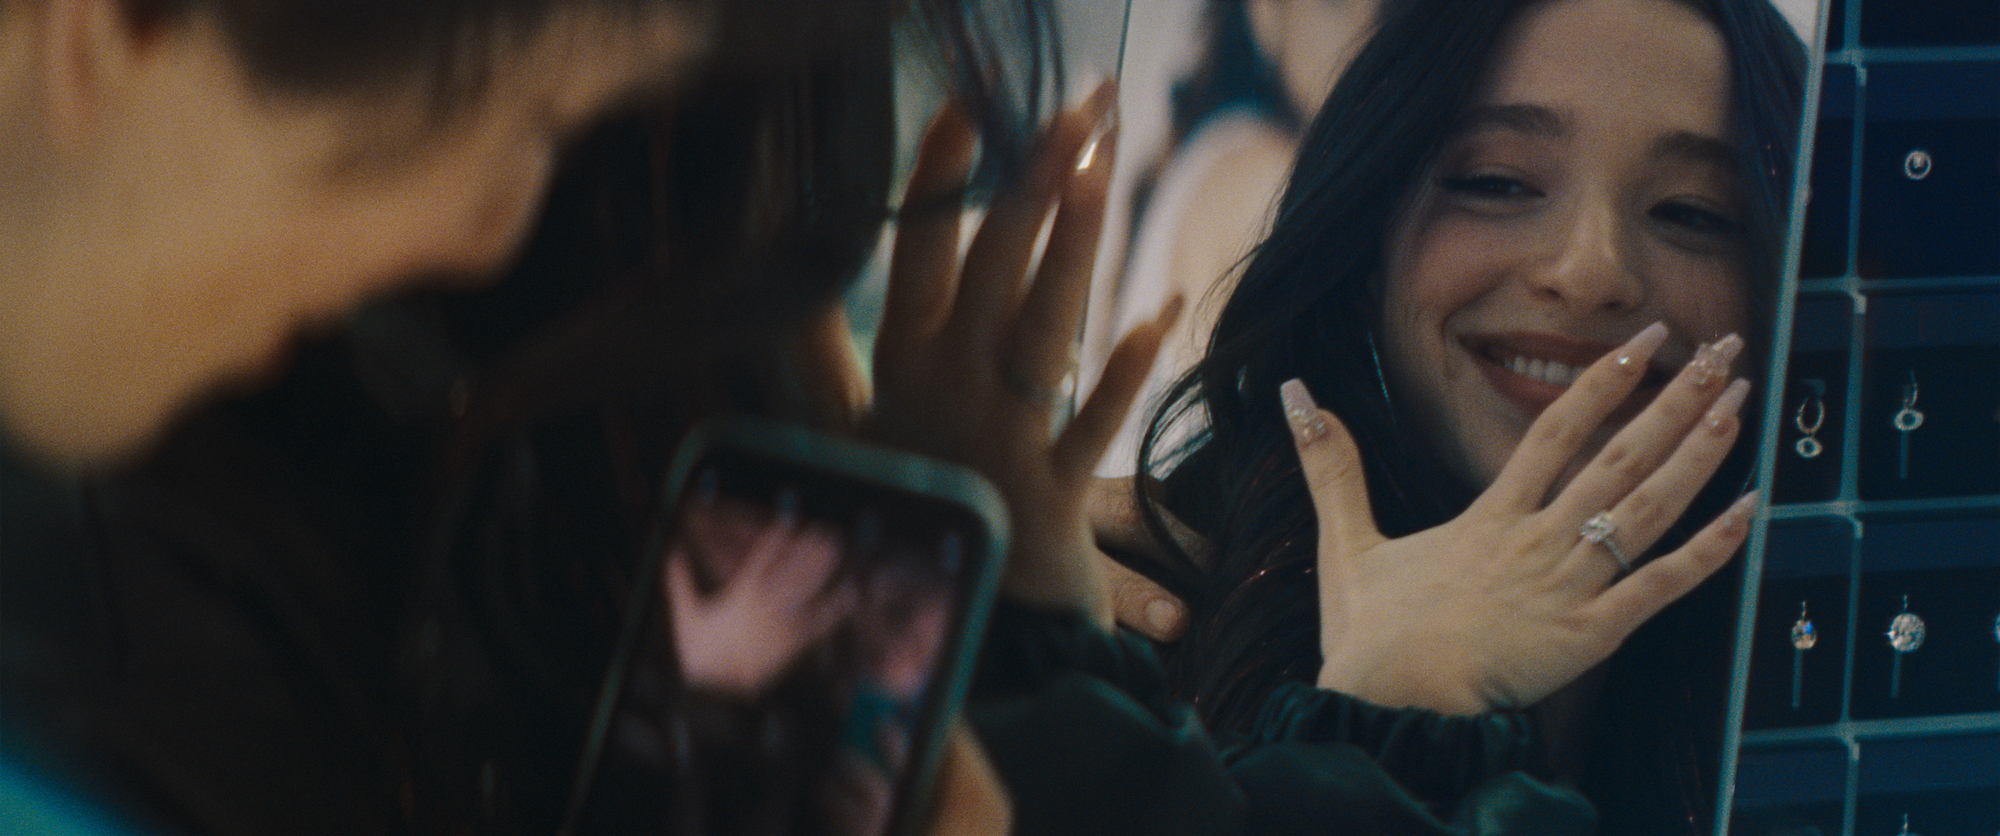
(1487, 185)
(1696, 219)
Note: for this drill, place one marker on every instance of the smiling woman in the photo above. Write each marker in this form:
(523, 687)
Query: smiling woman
(1518, 256)
(1587, 193)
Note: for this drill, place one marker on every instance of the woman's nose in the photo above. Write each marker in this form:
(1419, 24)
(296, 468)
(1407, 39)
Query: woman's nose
(1591, 263)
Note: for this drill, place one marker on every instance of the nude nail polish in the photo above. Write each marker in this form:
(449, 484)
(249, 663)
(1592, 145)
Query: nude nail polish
(1736, 520)
(1642, 345)
(1726, 406)
(1160, 614)
(1301, 412)
(1712, 362)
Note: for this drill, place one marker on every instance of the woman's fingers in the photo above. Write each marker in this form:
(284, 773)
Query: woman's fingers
(1562, 429)
(804, 560)
(1142, 606)
(1636, 452)
(1096, 423)
(1645, 512)
(827, 612)
(1641, 595)
(991, 286)
(923, 270)
(1116, 524)
(1137, 603)
(1333, 472)
(1042, 348)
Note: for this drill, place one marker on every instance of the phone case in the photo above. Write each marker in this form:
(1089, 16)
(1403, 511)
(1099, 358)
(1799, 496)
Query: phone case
(831, 465)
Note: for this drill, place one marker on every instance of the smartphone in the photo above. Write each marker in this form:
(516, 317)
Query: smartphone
(799, 642)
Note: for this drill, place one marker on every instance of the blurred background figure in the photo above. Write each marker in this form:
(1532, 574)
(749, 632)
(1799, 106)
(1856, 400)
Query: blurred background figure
(1228, 118)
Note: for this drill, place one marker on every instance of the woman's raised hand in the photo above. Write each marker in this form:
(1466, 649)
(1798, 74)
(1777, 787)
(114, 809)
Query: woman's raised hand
(972, 352)
(781, 599)
(1511, 601)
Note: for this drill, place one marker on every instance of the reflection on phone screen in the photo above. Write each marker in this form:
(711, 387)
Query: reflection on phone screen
(785, 679)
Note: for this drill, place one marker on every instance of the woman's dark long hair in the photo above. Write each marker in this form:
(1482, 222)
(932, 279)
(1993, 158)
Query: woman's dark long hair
(678, 259)
(1307, 307)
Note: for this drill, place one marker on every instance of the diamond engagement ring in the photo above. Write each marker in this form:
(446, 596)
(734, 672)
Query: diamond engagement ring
(1597, 531)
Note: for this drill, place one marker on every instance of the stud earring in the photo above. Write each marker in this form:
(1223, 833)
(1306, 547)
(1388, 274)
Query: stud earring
(1804, 636)
(1906, 634)
(1907, 420)
(1809, 446)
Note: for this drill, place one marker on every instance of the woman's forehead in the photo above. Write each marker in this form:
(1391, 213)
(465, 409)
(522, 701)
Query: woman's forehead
(1596, 59)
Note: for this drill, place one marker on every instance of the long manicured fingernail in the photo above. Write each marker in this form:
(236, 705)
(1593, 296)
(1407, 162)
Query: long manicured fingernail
(1301, 412)
(1722, 415)
(1736, 520)
(1640, 348)
(1096, 154)
(1712, 362)
(1101, 108)
(1102, 101)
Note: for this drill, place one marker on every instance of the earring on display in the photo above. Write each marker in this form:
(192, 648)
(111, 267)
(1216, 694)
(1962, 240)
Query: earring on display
(1907, 420)
(1906, 634)
(1804, 636)
(1809, 446)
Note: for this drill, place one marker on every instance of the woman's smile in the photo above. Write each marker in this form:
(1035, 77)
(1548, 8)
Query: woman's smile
(1555, 223)
(1532, 369)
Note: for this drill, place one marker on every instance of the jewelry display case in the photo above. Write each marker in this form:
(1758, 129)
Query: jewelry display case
(1866, 690)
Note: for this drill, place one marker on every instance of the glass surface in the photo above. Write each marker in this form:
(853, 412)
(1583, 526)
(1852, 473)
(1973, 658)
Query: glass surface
(1942, 437)
(1210, 118)
(1930, 180)
(1816, 391)
(1947, 786)
(1793, 790)
(1807, 564)
(1949, 569)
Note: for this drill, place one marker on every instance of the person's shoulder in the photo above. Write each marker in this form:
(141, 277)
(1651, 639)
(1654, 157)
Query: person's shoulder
(1243, 157)
(1233, 198)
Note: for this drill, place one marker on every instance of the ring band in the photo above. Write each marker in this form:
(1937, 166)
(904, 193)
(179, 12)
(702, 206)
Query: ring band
(1597, 531)
(1017, 385)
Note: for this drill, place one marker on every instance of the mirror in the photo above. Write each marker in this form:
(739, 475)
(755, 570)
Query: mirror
(1215, 97)
(1218, 97)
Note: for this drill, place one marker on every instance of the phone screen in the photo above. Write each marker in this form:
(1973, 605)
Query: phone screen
(803, 645)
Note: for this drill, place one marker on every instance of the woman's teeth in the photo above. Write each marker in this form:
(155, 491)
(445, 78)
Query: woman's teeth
(1547, 371)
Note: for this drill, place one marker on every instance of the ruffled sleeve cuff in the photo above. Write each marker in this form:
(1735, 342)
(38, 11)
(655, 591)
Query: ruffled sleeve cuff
(1432, 755)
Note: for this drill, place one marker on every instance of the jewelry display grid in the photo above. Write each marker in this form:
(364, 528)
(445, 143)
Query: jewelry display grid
(1847, 756)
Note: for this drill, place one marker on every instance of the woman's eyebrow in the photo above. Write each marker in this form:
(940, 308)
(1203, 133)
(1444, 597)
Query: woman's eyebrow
(1523, 118)
(1696, 148)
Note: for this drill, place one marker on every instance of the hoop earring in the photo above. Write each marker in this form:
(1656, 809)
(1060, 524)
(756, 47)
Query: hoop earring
(1381, 377)
(1809, 446)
